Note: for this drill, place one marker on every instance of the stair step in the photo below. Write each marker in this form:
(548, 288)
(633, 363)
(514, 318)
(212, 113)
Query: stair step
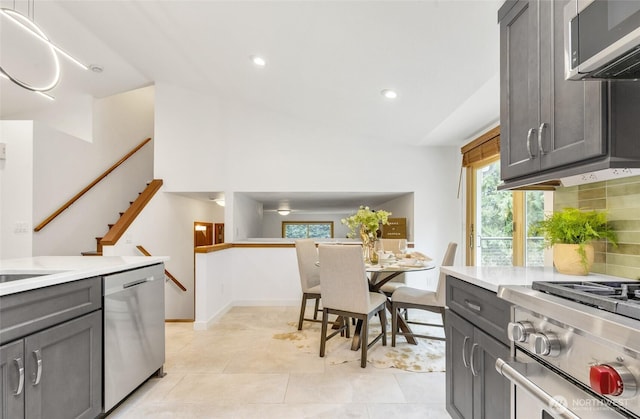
(91, 253)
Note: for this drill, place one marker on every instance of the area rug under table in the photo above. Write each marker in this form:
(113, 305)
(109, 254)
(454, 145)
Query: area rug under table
(427, 356)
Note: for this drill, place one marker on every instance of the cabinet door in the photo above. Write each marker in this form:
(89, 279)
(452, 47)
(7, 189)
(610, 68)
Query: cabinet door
(519, 90)
(572, 114)
(12, 380)
(491, 390)
(64, 372)
(459, 385)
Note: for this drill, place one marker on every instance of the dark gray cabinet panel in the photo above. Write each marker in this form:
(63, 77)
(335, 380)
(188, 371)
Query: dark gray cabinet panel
(519, 80)
(546, 121)
(27, 312)
(488, 312)
(55, 334)
(474, 387)
(459, 384)
(12, 380)
(70, 378)
(490, 388)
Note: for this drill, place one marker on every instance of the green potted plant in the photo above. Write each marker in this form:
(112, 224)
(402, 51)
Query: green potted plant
(570, 232)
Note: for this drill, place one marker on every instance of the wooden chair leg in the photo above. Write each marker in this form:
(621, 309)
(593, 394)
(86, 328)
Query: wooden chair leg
(383, 324)
(303, 307)
(394, 324)
(323, 336)
(364, 341)
(315, 311)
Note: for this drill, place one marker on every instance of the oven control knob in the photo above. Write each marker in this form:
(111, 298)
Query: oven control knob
(545, 344)
(612, 380)
(519, 331)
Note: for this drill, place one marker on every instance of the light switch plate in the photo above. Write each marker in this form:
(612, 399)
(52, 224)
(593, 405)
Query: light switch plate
(3, 151)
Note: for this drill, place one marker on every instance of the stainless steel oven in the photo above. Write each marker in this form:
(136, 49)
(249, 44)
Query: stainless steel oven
(570, 360)
(602, 39)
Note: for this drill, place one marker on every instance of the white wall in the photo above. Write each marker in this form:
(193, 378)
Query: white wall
(165, 228)
(244, 276)
(16, 189)
(268, 152)
(64, 165)
(189, 146)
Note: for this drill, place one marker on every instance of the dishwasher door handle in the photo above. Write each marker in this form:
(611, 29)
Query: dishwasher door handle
(137, 282)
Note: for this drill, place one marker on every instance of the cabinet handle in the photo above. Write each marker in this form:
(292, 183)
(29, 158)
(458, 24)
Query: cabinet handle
(473, 306)
(38, 358)
(464, 352)
(529, 135)
(540, 135)
(20, 368)
(473, 368)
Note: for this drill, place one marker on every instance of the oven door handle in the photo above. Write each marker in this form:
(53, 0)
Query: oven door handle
(511, 374)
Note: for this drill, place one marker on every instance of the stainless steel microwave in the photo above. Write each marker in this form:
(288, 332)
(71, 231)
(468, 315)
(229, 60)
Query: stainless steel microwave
(602, 39)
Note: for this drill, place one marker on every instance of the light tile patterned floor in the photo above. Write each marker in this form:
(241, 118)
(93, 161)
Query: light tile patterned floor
(237, 370)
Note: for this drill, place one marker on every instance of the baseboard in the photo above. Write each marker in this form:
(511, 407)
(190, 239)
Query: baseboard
(178, 320)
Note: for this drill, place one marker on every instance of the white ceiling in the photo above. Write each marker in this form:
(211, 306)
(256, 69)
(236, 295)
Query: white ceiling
(327, 60)
(327, 63)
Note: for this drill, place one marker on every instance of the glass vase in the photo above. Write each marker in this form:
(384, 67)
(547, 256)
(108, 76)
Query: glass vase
(368, 248)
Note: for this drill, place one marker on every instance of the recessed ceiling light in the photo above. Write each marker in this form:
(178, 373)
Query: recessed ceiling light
(258, 61)
(96, 68)
(389, 94)
(284, 211)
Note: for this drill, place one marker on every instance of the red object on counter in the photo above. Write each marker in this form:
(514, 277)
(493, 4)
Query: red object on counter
(605, 380)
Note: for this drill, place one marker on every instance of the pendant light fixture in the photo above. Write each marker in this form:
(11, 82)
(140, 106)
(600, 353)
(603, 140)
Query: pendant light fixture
(27, 24)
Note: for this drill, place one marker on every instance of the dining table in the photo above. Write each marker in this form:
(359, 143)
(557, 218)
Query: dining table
(378, 275)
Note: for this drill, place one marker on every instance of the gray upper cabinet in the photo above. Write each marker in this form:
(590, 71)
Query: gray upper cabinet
(546, 121)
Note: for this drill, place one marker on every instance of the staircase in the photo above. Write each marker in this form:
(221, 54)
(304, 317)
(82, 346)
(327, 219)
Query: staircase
(126, 218)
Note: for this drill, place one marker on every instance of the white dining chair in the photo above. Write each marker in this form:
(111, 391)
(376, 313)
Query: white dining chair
(393, 245)
(307, 255)
(345, 292)
(434, 301)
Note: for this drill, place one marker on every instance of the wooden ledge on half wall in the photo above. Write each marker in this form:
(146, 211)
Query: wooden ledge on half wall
(265, 243)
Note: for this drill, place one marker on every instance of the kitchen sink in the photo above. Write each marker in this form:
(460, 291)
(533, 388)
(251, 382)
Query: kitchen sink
(16, 277)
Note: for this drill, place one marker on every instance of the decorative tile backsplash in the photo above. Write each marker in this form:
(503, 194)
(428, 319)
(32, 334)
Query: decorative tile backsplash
(621, 199)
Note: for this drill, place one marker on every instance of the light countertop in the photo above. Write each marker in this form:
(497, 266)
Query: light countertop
(61, 269)
(491, 278)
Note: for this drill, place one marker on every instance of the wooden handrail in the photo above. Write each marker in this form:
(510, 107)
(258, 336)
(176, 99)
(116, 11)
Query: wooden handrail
(91, 185)
(118, 229)
(171, 277)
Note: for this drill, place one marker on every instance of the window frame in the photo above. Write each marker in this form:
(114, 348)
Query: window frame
(308, 223)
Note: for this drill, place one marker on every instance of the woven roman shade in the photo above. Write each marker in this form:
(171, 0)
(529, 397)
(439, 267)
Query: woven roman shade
(482, 148)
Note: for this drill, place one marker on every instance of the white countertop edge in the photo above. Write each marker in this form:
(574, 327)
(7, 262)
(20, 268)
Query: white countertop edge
(491, 278)
(67, 269)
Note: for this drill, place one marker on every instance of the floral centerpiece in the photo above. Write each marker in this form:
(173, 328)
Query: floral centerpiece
(366, 223)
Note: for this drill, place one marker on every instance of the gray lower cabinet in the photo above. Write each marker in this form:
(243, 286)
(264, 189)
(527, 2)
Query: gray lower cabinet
(52, 370)
(12, 380)
(476, 337)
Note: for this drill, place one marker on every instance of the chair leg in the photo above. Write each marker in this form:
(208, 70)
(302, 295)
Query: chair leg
(315, 311)
(323, 336)
(303, 307)
(364, 341)
(383, 324)
(394, 324)
(346, 325)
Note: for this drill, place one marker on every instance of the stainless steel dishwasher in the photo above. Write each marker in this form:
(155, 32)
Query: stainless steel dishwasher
(133, 330)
